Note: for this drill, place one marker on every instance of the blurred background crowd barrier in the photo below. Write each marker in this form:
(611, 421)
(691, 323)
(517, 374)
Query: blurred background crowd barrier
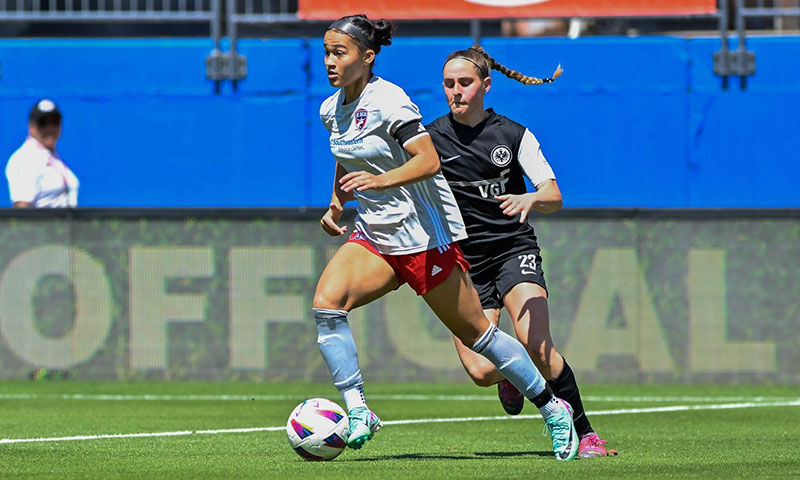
(635, 296)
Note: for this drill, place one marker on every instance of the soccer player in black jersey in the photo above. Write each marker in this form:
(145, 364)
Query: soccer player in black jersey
(484, 156)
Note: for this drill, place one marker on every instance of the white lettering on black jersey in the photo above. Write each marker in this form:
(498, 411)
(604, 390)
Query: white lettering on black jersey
(482, 162)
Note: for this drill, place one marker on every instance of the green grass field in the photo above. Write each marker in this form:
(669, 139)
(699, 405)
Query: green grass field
(183, 427)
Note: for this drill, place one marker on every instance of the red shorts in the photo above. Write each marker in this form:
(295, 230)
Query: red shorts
(423, 271)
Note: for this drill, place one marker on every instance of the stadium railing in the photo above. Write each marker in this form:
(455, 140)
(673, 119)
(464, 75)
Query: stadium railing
(118, 11)
(777, 15)
(741, 61)
(780, 14)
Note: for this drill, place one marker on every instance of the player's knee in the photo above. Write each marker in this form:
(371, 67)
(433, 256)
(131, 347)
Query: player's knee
(324, 298)
(481, 375)
(483, 380)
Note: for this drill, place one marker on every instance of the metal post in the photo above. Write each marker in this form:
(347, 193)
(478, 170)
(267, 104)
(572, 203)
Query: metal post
(723, 35)
(740, 23)
(232, 39)
(216, 33)
(741, 50)
(216, 22)
(475, 31)
(737, 62)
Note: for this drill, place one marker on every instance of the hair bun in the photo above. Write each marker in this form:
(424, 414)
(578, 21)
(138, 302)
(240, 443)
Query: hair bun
(383, 32)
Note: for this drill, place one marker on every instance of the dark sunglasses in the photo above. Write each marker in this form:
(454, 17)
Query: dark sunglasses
(43, 122)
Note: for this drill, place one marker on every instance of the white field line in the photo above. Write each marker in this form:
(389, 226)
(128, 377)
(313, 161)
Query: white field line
(675, 408)
(397, 397)
(137, 435)
(594, 413)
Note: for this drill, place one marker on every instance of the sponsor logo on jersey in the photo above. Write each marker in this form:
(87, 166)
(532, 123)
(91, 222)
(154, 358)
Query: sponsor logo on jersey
(449, 159)
(346, 146)
(338, 143)
(487, 188)
(361, 118)
(501, 155)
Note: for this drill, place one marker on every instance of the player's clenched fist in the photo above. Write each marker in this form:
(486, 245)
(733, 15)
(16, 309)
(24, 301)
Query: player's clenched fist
(329, 221)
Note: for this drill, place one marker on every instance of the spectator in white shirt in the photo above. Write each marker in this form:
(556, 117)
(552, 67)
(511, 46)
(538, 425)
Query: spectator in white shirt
(37, 176)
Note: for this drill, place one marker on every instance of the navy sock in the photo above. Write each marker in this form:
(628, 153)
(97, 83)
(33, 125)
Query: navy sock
(565, 387)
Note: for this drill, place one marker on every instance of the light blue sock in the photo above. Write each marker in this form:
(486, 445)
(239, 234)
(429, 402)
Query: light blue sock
(335, 341)
(511, 358)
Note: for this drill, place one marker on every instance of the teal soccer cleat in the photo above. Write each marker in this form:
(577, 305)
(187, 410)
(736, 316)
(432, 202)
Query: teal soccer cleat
(363, 425)
(562, 429)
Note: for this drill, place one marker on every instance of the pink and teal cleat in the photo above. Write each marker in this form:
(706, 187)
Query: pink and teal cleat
(562, 431)
(363, 425)
(592, 446)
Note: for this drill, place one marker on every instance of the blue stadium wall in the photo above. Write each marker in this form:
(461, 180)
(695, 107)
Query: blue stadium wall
(633, 122)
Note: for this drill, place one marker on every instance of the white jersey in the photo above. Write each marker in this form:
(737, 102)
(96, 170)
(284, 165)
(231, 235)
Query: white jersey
(401, 220)
(39, 177)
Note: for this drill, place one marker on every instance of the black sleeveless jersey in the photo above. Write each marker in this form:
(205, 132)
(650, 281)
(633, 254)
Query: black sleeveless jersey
(479, 163)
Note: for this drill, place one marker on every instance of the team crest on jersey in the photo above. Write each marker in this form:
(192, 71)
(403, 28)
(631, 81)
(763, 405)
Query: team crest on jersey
(501, 155)
(361, 118)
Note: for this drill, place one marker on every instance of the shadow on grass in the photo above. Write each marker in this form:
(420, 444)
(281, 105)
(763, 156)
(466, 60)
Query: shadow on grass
(473, 456)
(513, 454)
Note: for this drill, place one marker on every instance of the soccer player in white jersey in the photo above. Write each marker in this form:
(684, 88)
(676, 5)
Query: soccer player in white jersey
(37, 176)
(484, 157)
(406, 230)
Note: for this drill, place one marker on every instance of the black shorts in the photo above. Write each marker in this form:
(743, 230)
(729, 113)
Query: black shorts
(497, 278)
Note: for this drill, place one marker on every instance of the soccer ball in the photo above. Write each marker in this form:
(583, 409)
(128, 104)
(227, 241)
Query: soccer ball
(317, 429)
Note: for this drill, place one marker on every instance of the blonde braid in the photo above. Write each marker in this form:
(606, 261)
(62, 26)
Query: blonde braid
(513, 74)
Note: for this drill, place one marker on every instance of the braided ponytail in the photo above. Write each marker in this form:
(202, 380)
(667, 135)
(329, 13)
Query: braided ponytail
(513, 74)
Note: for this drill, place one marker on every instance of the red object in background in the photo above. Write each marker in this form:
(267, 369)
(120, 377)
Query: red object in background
(441, 9)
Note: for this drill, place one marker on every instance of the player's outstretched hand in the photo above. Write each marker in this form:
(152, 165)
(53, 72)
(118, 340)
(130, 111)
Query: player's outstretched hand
(513, 205)
(360, 181)
(329, 221)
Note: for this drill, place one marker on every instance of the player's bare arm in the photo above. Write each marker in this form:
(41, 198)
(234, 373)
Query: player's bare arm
(546, 199)
(423, 164)
(330, 221)
(339, 196)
